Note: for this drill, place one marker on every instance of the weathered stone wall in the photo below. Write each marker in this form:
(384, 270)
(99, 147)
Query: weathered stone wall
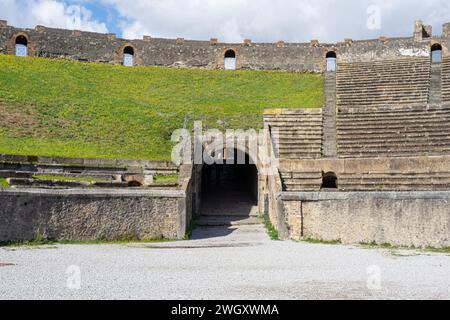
(419, 219)
(91, 214)
(88, 46)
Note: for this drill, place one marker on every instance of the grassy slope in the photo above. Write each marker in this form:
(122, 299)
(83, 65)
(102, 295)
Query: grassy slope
(63, 108)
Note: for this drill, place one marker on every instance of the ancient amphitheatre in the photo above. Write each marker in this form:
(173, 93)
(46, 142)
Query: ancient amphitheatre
(362, 146)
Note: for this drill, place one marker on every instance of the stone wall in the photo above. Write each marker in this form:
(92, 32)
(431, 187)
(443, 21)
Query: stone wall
(107, 48)
(418, 219)
(91, 214)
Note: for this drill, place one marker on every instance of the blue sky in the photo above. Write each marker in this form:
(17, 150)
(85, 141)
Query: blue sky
(232, 20)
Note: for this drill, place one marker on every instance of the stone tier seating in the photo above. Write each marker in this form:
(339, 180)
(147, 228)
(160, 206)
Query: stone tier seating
(23, 172)
(393, 131)
(302, 181)
(369, 181)
(417, 173)
(397, 82)
(446, 80)
(296, 134)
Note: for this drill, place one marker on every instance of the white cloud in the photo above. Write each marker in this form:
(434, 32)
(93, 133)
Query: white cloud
(234, 20)
(50, 13)
(271, 20)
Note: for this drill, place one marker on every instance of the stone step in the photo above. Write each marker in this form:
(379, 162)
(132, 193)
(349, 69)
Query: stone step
(444, 116)
(410, 187)
(388, 68)
(428, 126)
(372, 84)
(275, 121)
(307, 183)
(296, 150)
(301, 189)
(390, 131)
(292, 138)
(301, 175)
(393, 173)
(380, 104)
(227, 221)
(344, 154)
(301, 130)
(36, 183)
(379, 99)
(395, 148)
(15, 174)
(349, 141)
(300, 156)
(393, 180)
(393, 110)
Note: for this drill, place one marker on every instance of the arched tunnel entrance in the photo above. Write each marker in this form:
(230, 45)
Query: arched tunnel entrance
(230, 189)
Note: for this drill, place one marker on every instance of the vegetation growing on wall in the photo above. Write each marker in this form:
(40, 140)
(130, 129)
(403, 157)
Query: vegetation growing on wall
(73, 109)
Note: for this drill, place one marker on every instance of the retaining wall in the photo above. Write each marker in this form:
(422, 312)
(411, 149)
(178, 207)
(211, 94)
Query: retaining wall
(92, 214)
(419, 219)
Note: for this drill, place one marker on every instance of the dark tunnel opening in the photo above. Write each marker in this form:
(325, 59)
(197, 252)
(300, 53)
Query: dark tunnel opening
(230, 189)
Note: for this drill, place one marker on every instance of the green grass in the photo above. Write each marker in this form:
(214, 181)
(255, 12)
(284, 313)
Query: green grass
(374, 245)
(271, 230)
(3, 183)
(39, 240)
(315, 241)
(169, 180)
(62, 178)
(74, 109)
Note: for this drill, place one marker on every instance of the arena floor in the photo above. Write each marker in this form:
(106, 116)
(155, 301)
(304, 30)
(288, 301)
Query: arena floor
(238, 263)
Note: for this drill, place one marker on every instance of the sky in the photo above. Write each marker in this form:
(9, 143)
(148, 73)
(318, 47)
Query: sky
(232, 20)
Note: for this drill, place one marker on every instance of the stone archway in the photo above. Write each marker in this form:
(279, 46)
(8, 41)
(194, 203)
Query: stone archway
(230, 189)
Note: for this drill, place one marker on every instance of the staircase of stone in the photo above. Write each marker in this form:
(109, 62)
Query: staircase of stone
(445, 80)
(393, 131)
(396, 82)
(227, 221)
(296, 133)
(395, 181)
(372, 181)
(329, 117)
(435, 96)
(296, 181)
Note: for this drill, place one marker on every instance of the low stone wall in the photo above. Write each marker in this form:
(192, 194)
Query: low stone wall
(419, 219)
(92, 214)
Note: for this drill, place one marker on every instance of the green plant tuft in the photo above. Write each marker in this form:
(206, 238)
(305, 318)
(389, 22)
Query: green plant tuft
(271, 230)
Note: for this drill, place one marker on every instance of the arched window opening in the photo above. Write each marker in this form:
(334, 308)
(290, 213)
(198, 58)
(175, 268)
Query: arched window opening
(436, 53)
(230, 60)
(128, 56)
(329, 181)
(21, 46)
(331, 61)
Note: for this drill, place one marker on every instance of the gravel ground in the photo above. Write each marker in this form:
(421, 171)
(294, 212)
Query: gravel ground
(230, 264)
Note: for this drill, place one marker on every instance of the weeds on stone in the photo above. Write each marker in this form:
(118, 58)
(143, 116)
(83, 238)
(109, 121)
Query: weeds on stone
(40, 240)
(4, 183)
(315, 241)
(395, 249)
(271, 230)
(192, 226)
